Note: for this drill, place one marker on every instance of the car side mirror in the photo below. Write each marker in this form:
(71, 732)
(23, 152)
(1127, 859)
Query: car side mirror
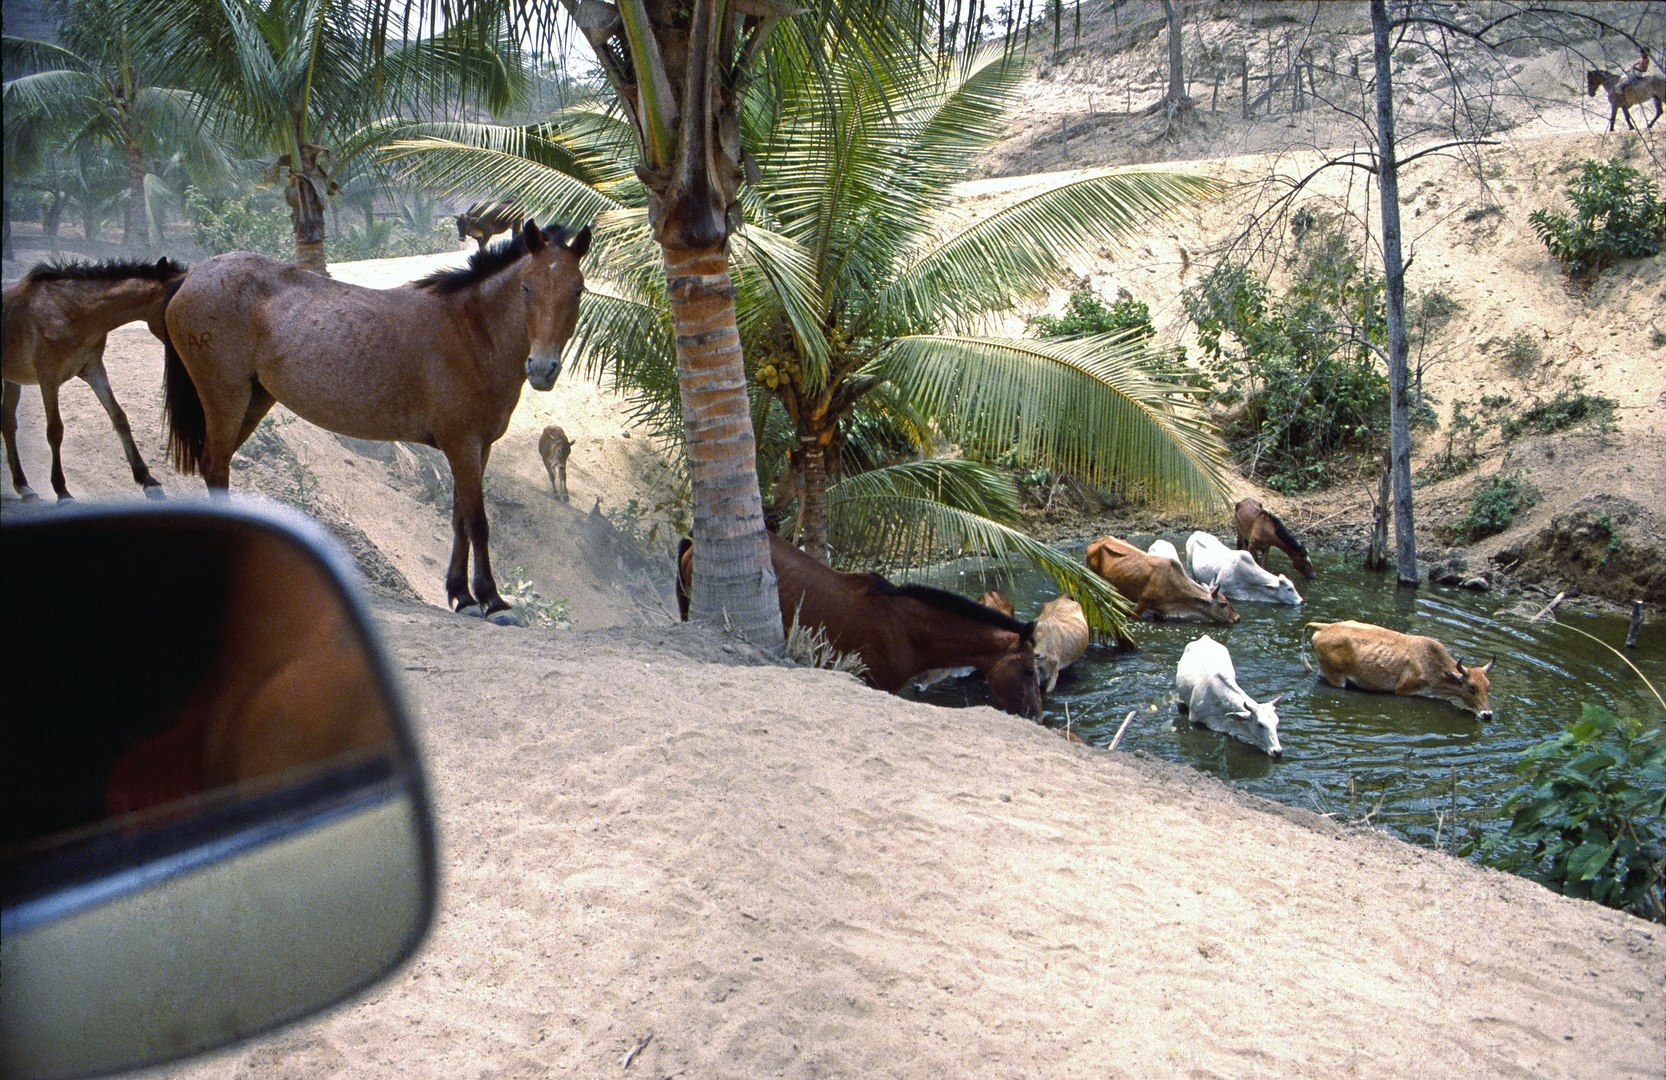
(216, 820)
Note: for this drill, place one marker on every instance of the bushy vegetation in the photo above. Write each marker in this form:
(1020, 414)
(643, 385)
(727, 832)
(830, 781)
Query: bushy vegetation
(1618, 214)
(1085, 313)
(1592, 820)
(1571, 406)
(253, 221)
(1497, 502)
(1296, 371)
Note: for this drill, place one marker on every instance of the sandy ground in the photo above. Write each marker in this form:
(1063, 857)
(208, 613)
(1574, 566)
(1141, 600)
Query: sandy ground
(651, 840)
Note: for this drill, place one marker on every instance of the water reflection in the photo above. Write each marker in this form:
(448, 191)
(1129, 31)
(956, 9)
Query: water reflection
(1428, 762)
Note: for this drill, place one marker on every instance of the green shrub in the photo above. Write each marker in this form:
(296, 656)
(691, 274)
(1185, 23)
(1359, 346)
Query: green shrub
(1520, 352)
(254, 221)
(1570, 406)
(1299, 367)
(1087, 314)
(1618, 214)
(1496, 504)
(1592, 822)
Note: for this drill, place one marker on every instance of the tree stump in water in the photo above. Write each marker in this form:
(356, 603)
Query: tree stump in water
(1376, 553)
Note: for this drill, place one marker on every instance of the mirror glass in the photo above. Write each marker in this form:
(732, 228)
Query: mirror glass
(214, 819)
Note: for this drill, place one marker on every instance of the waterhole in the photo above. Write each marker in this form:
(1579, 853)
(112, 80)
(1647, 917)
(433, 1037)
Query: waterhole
(1425, 770)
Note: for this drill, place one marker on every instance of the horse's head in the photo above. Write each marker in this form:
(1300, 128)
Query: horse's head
(1012, 678)
(1593, 82)
(552, 283)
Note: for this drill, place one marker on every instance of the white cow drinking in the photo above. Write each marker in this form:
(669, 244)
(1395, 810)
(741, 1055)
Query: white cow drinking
(1164, 550)
(1210, 695)
(1237, 574)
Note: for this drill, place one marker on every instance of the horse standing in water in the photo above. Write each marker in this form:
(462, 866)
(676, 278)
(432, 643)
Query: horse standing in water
(1260, 529)
(55, 322)
(439, 361)
(898, 630)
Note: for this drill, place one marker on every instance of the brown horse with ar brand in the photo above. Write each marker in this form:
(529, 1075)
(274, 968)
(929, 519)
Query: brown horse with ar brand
(55, 322)
(898, 630)
(440, 361)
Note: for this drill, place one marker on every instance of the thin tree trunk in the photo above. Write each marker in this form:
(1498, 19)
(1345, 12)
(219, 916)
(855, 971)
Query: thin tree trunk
(135, 234)
(734, 580)
(814, 517)
(1394, 275)
(306, 211)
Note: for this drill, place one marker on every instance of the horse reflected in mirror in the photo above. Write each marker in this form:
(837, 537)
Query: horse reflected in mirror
(439, 361)
(1628, 90)
(898, 630)
(55, 324)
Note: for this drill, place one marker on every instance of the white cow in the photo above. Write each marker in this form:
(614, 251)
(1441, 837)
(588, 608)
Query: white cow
(1210, 695)
(1164, 550)
(1237, 574)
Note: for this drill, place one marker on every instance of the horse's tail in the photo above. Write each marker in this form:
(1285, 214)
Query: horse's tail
(683, 586)
(182, 409)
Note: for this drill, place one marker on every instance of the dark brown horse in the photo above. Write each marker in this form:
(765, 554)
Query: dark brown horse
(1259, 529)
(898, 630)
(482, 221)
(55, 323)
(440, 361)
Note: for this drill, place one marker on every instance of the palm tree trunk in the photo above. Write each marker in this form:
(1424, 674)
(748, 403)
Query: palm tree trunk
(814, 452)
(734, 580)
(135, 233)
(1394, 275)
(306, 210)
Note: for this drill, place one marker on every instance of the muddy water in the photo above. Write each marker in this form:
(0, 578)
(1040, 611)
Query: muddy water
(1423, 769)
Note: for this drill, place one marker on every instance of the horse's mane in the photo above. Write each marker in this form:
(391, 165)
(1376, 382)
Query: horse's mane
(954, 604)
(109, 270)
(1283, 533)
(486, 262)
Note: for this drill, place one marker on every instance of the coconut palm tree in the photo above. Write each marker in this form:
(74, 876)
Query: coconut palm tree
(860, 296)
(99, 86)
(292, 79)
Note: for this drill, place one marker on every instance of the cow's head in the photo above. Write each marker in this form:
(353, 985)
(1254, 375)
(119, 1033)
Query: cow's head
(1257, 724)
(1469, 686)
(1217, 608)
(1284, 590)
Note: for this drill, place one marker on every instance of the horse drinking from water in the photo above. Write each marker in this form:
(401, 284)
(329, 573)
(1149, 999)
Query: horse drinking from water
(439, 361)
(1259, 529)
(55, 323)
(1628, 90)
(898, 630)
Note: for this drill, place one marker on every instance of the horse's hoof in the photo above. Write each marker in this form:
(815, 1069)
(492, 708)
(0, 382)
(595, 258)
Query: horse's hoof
(472, 610)
(506, 617)
(66, 497)
(154, 491)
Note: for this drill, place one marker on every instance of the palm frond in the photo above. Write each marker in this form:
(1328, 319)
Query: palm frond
(1088, 406)
(903, 517)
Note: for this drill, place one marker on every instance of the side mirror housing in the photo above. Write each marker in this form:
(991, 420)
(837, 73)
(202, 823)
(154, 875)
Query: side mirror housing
(216, 820)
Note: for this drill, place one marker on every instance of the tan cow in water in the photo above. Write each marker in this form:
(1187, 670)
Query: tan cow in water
(1061, 637)
(1155, 584)
(1377, 658)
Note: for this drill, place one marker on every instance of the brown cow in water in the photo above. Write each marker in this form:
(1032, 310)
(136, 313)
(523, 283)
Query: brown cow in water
(898, 630)
(1260, 529)
(1156, 584)
(1377, 658)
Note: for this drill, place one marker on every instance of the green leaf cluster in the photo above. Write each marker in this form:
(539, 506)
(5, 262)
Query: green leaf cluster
(1618, 214)
(1497, 501)
(1592, 821)
(1085, 313)
(1570, 406)
(251, 221)
(1297, 370)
